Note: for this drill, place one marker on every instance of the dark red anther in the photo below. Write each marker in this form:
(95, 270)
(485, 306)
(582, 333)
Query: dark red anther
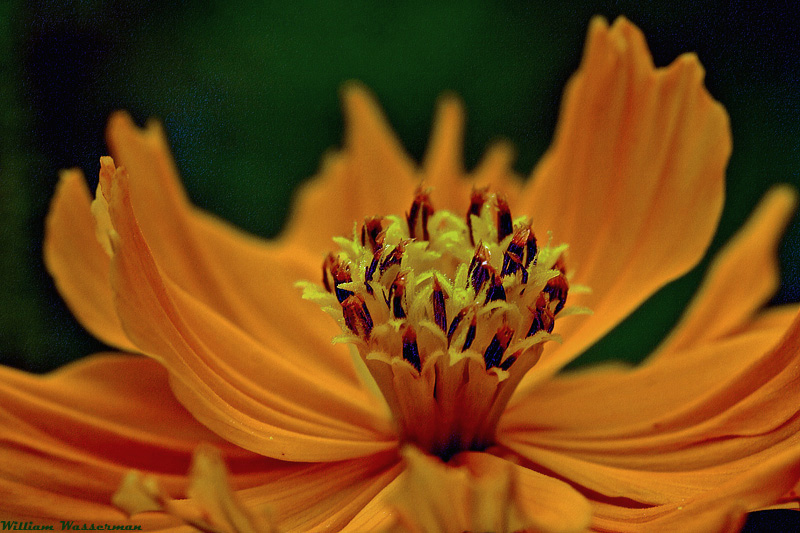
(410, 348)
(480, 271)
(454, 324)
(494, 352)
(530, 249)
(477, 199)
(439, 310)
(397, 293)
(334, 273)
(504, 223)
(512, 258)
(394, 257)
(505, 365)
(557, 288)
(495, 290)
(543, 317)
(421, 211)
(470, 338)
(372, 233)
(369, 273)
(356, 316)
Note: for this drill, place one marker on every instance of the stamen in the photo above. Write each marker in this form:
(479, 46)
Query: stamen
(357, 317)
(394, 257)
(505, 365)
(410, 348)
(334, 273)
(480, 269)
(505, 225)
(470, 338)
(496, 290)
(477, 200)
(370, 270)
(397, 294)
(372, 233)
(456, 321)
(417, 217)
(543, 317)
(439, 310)
(557, 288)
(494, 352)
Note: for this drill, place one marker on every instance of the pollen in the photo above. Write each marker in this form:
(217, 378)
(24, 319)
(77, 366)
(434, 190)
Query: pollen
(447, 312)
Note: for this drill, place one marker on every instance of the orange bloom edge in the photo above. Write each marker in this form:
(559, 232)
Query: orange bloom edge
(243, 405)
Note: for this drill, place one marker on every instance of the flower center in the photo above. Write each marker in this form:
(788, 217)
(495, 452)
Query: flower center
(448, 313)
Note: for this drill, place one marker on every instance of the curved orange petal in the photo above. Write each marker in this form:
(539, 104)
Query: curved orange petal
(740, 333)
(675, 443)
(633, 181)
(69, 437)
(722, 509)
(282, 497)
(247, 280)
(742, 279)
(261, 399)
(372, 175)
(322, 496)
(443, 168)
(474, 491)
(602, 399)
(78, 263)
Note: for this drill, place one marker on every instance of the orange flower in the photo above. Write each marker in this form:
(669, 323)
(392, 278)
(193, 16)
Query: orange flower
(448, 319)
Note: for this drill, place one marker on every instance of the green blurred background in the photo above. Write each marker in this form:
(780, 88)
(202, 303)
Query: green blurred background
(248, 93)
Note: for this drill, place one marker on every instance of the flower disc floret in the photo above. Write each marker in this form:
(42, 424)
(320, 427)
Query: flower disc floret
(448, 312)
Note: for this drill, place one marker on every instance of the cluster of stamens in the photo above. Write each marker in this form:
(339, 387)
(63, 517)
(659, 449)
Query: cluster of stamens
(447, 312)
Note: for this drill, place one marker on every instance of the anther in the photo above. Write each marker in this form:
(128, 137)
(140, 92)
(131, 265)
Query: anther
(410, 348)
(471, 330)
(543, 317)
(372, 233)
(504, 223)
(356, 316)
(334, 273)
(477, 199)
(454, 324)
(480, 271)
(397, 294)
(494, 352)
(505, 365)
(417, 217)
(369, 273)
(394, 257)
(557, 288)
(439, 310)
(530, 248)
(495, 290)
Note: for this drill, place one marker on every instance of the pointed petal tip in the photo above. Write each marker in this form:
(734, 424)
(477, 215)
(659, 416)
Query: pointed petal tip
(355, 93)
(783, 195)
(450, 103)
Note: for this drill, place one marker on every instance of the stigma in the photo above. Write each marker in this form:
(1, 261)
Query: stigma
(447, 311)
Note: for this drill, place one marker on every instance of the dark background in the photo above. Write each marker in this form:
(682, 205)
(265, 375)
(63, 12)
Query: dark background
(248, 93)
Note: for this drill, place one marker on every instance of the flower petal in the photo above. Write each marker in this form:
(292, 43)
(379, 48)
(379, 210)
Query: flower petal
(638, 161)
(723, 509)
(69, 437)
(689, 427)
(734, 290)
(472, 492)
(264, 401)
(248, 281)
(78, 263)
(371, 176)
